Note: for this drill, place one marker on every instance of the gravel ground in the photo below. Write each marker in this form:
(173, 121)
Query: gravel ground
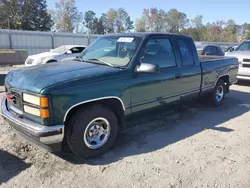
(196, 147)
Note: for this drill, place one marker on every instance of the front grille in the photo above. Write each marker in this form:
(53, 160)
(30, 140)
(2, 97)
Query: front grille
(246, 60)
(17, 99)
(246, 65)
(29, 61)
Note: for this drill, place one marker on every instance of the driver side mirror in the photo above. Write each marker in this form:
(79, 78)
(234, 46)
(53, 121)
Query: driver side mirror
(147, 68)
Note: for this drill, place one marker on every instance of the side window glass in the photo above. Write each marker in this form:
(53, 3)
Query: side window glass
(75, 50)
(160, 52)
(186, 52)
(214, 51)
(80, 49)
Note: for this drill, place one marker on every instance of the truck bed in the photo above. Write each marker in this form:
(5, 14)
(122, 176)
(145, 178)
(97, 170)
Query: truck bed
(209, 57)
(214, 67)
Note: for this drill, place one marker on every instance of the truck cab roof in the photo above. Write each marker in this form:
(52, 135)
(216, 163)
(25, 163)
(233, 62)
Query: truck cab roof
(146, 34)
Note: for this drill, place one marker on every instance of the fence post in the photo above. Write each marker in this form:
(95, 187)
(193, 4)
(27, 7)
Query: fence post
(10, 39)
(52, 41)
(88, 39)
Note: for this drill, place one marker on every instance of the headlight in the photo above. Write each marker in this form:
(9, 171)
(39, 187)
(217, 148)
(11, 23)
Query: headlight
(29, 61)
(41, 103)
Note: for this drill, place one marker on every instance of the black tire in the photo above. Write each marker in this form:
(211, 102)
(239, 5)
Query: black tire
(52, 61)
(220, 85)
(78, 124)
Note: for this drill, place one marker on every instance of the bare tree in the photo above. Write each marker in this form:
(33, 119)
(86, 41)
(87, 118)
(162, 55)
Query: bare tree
(140, 25)
(111, 17)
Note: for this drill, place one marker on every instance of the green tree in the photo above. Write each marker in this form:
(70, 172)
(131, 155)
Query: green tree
(197, 21)
(90, 21)
(129, 24)
(66, 16)
(155, 19)
(25, 15)
(10, 14)
(196, 28)
(111, 17)
(140, 25)
(248, 35)
(176, 20)
(35, 16)
(123, 22)
(120, 20)
(104, 20)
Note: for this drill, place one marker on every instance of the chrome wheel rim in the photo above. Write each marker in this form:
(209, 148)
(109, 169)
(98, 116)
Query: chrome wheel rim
(97, 133)
(219, 93)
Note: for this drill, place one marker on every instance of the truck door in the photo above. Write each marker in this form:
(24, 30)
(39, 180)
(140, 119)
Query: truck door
(190, 80)
(155, 90)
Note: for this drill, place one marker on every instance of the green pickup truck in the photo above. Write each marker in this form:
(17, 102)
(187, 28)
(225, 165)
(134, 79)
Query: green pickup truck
(84, 102)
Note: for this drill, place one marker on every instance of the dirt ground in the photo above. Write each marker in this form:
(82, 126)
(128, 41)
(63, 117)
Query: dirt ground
(197, 147)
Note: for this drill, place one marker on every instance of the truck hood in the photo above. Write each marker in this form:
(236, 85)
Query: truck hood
(34, 79)
(239, 54)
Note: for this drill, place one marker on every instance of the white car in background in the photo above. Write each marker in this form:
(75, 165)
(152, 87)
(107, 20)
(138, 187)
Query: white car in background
(55, 55)
(242, 52)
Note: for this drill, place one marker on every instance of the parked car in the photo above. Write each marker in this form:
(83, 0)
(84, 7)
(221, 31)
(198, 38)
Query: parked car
(86, 102)
(54, 55)
(242, 52)
(212, 50)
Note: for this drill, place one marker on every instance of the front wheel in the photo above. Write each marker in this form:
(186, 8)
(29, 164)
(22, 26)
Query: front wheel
(92, 131)
(219, 93)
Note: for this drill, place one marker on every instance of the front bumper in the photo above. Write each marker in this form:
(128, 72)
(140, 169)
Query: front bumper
(48, 137)
(243, 77)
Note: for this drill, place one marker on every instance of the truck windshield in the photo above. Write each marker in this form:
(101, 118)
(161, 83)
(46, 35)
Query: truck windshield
(245, 46)
(116, 51)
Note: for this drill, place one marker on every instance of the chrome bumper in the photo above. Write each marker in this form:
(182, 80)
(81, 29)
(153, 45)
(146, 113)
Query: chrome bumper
(243, 77)
(47, 135)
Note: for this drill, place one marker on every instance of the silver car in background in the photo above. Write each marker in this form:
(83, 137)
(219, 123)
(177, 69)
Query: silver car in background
(242, 52)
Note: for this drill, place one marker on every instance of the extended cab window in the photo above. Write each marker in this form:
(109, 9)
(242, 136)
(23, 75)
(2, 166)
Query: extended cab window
(160, 52)
(186, 52)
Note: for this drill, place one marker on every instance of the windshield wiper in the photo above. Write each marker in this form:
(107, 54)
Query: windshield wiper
(79, 58)
(99, 60)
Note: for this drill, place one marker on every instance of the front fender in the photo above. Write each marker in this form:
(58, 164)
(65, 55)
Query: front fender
(64, 101)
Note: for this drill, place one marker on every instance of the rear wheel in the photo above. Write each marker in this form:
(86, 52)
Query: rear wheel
(92, 131)
(219, 93)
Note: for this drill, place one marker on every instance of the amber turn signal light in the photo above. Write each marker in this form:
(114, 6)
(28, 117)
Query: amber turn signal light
(44, 113)
(44, 102)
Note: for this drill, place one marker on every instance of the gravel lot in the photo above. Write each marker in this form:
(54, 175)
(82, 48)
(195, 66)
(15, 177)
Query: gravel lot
(196, 147)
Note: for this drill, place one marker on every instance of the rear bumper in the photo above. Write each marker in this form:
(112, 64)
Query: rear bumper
(48, 137)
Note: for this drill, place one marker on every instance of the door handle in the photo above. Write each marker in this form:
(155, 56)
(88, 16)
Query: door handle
(177, 75)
